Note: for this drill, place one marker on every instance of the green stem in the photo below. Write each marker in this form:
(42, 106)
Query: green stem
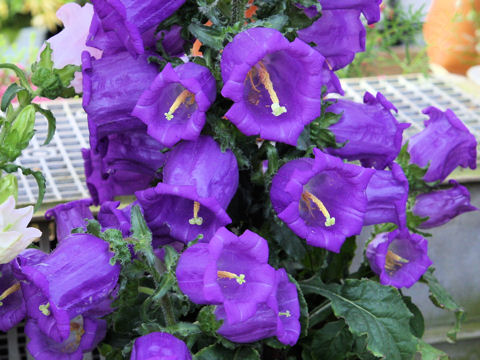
(320, 313)
(167, 310)
(146, 290)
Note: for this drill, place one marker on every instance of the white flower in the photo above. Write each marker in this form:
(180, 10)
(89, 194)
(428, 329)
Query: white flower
(15, 236)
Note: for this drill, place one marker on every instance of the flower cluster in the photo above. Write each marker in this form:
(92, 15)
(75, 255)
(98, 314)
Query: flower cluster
(225, 137)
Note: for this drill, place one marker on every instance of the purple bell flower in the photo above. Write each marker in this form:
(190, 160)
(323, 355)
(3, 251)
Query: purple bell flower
(75, 278)
(398, 257)
(174, 106)
(373, 134)
(111, 217)
(338, 35)
(107, 41)
(130, 19)
(387, 195)
(160, 346)
(111, 88)
(172, 41)
(85, 334)
(443, 205)
(229, 270)
(275, 84)
(125, 163)
(322, 200)
(12, 305)
(278, 316)
(69, 216)
(444, 144)
(199, 180)
(369, 8)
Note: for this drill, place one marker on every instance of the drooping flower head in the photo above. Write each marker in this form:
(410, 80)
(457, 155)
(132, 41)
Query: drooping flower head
(445, 143)
(338, 35)
(373, 134)
(85, 334)
(12, 305)
(322, 200)
(130, 19)
(160, 346)
(15, 236)
(398, 257)
(111, 88)
(387, 195)
(278, 316)
(441, 206)
(69, 216)
(369, 8)
(174, 106)
(199, 180)
(124, 163)
(275, 84)
(229, 270)
(75, 278)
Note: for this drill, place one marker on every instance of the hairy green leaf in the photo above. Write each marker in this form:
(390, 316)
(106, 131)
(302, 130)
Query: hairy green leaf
(332, 342)
(9, 95)
(442, 299)
(372, 309)
(428, 352)
(217, 352)
(52, 124)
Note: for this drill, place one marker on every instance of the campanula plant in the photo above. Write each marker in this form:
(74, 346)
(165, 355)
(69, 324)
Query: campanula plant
(244, 179)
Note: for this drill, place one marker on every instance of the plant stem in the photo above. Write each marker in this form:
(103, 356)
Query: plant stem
(146, 290)
(167, 310)
(237, 10)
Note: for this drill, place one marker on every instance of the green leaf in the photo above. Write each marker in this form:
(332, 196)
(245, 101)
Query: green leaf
(118, 245)
(140, 230)
(442, 299)
(209, 36)
(339, 264)
(417, 323)
(94, 228)
(9, 95)
(332, 342)
(413, 172)
(372, 309)
(52, 124)
(428, 352)
(67, 73)
(19, 134)
(217, 352)
(8, 187)
(45, 60)
(207, 320)
(20, 73)
(37, 175)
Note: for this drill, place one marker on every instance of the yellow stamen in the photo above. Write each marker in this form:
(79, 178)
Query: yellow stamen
(181, 99)
(9, 291)
(264, 77)
(44, 309)
(394, 261)
(196, 220)
(286, 313)
(228, 275)
(307, 197)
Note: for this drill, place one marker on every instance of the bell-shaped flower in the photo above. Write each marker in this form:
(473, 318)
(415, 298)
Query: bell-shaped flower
(372, 133)
(110, 216)
(75, 278)
(67, 46)
(174, 106)
(441, 206)
(12, 305)
(399, 258)
(338, 35)
(123, 164)
(15, 236)
(69, 216)
(444, 144)
(387, 195)
(130, 19)
(275, 84)
(199, 180)
(111, 88)
(106, 41)
(278, 316)
(230, 270)
(85, 334)
(369, 8)
(160, 346)
(322, 200)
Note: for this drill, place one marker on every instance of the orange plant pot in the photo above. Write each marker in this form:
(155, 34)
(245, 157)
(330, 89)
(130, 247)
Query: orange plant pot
(450, 37)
